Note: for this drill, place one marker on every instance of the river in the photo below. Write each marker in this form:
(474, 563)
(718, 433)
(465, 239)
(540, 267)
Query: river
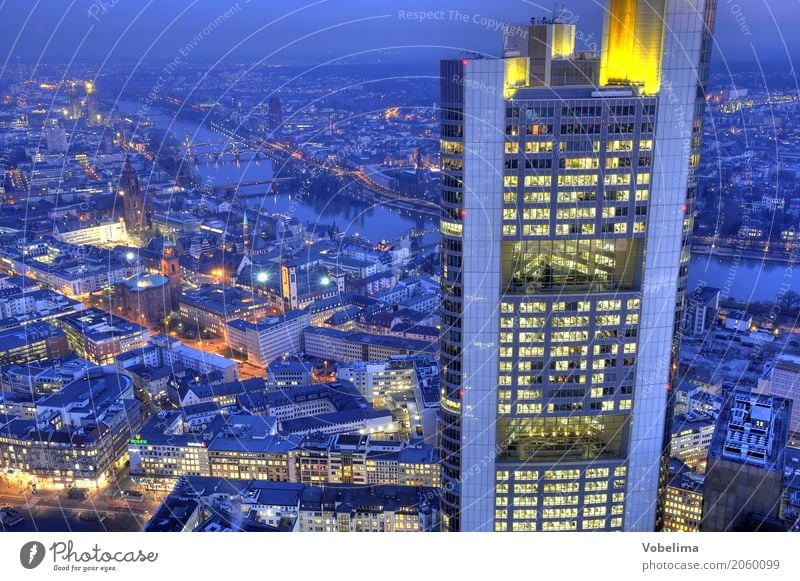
(747, 279)
(372, 221)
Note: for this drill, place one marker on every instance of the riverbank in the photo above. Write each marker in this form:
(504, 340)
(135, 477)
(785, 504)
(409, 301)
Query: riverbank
(373, 220)
(732, 252)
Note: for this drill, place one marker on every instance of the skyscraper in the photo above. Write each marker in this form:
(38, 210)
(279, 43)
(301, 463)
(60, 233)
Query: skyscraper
(55, 137)
(93, 116)
(74, 111)
(274, 114)
(564, 195)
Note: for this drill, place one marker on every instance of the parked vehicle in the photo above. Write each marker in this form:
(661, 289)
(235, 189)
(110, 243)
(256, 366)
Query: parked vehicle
(10, 517)
(78, 493)
(91, 516)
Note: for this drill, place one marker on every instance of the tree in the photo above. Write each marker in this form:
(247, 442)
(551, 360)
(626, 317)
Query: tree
(789, 300)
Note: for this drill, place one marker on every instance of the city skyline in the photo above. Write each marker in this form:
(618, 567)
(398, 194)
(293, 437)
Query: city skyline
(288, 33)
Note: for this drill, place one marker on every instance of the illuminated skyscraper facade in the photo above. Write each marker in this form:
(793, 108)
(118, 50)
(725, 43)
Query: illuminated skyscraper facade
(564, 194)
(93, 116)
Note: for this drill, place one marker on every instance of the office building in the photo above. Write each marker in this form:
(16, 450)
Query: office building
(564, 194)
(363, 459)
(325, 408)
(683, 504)
(93, 116)
(92, 234)
(377, 509)
(71, 270)
(267, 340)
(691, 437)
(274, 115)
(78, 435)
(164, 352)
(164, 449)
(744, 481)
(782, 379)
(289, 373)
(99, 336)
(209, 308)
(44, 377)
(56, 137)
(334, 345)
(217, 504)
(32, 343)
(701, 310)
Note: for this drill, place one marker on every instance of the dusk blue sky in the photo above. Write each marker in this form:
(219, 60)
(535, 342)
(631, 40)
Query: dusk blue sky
(319, 30)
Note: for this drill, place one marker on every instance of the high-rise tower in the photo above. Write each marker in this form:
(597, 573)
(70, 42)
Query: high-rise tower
(564, 194)
(93, 116)
(74, 111)
(274, 114)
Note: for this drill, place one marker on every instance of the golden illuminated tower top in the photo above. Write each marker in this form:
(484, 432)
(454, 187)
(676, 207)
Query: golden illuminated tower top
(542, 54)
(633, 40)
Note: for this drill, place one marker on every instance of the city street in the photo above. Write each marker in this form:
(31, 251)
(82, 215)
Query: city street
(53, 510)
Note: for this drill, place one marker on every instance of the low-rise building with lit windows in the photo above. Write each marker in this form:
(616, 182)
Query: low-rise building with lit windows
(228, 395)
(406, 385)
(359, 459)
(348, 508)
(78, 435)
(289, 373)
(691, 437)
(30, 343)
(211, 307)
(43, 377)
(26, 304)
(71, 270)
(683, 504)
(219, 504)
(270, 338)
(327, 408)
(164, 448)
(100, 336)
(242, 447)
(97, 233)
(249, 448)
(332, 344)
(167, 352)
